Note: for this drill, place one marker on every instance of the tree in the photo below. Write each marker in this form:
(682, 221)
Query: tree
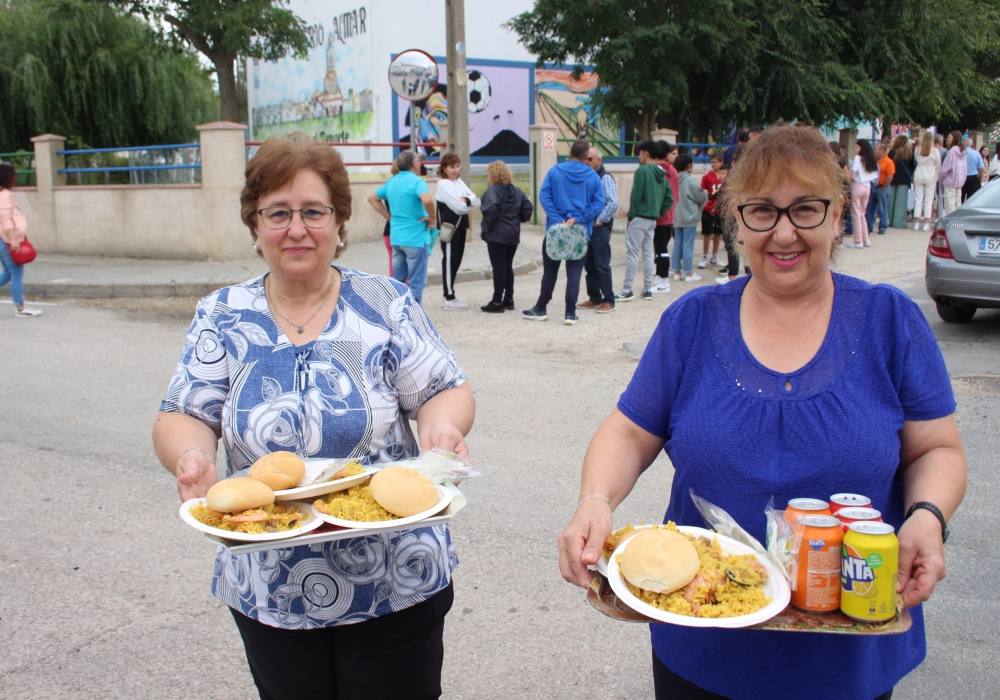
(224, 30)
(98, 77)
(709, 64)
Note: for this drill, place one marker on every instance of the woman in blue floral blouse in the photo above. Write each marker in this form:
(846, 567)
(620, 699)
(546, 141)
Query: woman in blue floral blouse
(325, 361)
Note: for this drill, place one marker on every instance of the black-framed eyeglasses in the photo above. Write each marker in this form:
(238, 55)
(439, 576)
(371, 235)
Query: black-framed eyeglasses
(805, 214)
(277, 218)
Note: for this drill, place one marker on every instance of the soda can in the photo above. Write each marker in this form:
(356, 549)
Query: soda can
(805, 506)
(848, 500)
(817, 580)
(868, 572)
(858, 515)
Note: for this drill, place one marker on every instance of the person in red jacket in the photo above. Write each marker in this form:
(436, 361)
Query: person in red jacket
(711, 223)
(665, 157)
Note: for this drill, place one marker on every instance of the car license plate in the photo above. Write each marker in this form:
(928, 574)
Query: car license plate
(989, 245)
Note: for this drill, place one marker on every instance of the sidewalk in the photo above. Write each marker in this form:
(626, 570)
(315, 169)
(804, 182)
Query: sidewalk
(70, 276)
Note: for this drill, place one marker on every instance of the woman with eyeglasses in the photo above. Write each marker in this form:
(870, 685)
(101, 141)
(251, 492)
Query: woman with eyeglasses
(840, 387)
(318, 359)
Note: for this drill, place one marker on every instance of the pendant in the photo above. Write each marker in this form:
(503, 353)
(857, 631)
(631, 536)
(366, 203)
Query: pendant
(301, 330)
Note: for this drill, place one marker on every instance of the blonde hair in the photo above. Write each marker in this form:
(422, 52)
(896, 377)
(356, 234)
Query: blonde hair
(926, 143)
(498, 173)
(783, 154)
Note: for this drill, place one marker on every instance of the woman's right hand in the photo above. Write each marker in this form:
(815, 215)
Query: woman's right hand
(581, 543)
(195, 474)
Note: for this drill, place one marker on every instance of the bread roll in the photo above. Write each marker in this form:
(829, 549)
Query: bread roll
(279, 470)
(238, 494)
(660, 561)
(403, 492)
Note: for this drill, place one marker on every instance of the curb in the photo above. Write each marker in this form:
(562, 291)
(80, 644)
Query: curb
(199, 289)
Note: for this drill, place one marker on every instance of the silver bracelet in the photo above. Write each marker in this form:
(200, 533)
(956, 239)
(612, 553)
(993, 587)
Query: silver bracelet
(598, 497)
(199, 450)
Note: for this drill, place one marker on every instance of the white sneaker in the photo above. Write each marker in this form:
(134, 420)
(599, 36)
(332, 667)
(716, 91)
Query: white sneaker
(703, 264)
(693, 277)
(677, 277)
(714, 260)
(455, 304)
(722, 280)
(855, 245)
(868, 244)
(927, 226)
(662, 288)
(26, 313)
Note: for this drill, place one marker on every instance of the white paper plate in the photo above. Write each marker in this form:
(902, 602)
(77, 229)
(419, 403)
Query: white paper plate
(443, 501)
(776, 588)
(310, 523)
(324, 487)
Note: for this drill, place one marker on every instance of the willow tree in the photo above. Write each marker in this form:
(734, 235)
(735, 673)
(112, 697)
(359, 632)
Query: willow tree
(95, 75)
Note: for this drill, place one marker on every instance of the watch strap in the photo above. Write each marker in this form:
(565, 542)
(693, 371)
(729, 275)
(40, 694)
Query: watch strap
(930, 507)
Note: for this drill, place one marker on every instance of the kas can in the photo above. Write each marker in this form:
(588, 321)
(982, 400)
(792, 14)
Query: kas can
(868, 572)
(817, 579)
(798, 507)
(848, 500)
(858, 515)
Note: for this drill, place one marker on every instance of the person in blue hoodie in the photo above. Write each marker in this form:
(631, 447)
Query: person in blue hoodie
(571, 193)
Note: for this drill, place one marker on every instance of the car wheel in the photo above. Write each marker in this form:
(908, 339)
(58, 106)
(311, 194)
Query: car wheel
(958, 313)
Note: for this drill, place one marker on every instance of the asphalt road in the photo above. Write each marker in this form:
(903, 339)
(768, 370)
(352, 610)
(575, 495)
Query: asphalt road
(105, 592)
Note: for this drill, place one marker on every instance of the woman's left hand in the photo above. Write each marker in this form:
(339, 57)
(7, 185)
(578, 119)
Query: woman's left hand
(444, 435)
(921, 558)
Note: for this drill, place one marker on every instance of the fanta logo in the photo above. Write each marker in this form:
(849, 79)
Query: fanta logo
(817, 544)
(854, 569)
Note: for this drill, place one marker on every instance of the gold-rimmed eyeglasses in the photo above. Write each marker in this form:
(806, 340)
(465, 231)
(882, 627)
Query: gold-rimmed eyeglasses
(804, 214)
(314, 216)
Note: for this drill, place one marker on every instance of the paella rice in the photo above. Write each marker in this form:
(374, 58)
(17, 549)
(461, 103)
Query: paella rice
(356, 503)
(712, 593)
(352, 469)
(256, 521)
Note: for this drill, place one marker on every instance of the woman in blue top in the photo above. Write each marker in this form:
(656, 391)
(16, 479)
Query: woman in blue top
(324, 361)
(838, 384)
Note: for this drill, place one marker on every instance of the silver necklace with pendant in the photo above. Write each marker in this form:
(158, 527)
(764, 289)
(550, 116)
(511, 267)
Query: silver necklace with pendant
(299, 327)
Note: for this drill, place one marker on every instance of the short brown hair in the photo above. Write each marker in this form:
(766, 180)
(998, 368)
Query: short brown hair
(498, 173)
(276, 164)
(780, 154)
(449, 159)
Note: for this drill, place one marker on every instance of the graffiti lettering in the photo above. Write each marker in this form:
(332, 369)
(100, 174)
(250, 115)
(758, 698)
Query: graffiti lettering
(350, 24)
(315, 35)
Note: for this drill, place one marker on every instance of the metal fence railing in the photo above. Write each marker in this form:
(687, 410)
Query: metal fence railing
(176, 163)
(253, 145)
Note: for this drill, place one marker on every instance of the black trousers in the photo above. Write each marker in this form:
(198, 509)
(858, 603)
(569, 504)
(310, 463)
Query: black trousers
(502, 262)
(598, 266)
(661, 249)
(732, 251)
(971, 186)
(669, 686)
(550, 271)
(452, 252)
(395, 656)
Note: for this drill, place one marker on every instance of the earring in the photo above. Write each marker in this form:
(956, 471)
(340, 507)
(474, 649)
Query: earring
(340, 244)
(740, 241)
(255, 246)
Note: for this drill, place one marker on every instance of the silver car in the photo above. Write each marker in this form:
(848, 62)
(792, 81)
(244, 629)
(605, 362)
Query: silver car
(963, 257)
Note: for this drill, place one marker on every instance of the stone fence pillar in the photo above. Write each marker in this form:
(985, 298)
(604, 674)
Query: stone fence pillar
(49, 160)
(668, 135)
(223, 162)
(544, 156)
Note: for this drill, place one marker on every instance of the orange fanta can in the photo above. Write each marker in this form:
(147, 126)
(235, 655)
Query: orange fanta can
(868, 572)
(798, 507)
(817, 580)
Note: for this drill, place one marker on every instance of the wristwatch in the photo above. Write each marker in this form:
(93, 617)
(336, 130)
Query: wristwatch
(928, 506)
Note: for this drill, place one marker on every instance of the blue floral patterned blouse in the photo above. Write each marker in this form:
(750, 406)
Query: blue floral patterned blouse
(349, 393)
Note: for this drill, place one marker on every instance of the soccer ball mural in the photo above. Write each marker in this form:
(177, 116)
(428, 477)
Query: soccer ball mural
(480, 91)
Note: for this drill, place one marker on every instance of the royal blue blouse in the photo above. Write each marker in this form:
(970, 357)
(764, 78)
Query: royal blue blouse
(831, 426)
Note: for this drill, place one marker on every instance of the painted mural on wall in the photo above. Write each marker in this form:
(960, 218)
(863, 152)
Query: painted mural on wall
(327, 95)
(567, 102)
(500, 111)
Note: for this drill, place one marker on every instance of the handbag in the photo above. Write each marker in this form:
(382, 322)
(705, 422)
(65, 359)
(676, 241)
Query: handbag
(564, 242)
(447, 231)
(24, 254)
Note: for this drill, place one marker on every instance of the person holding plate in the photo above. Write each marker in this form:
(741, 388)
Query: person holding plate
(328, 362)
(839, 385)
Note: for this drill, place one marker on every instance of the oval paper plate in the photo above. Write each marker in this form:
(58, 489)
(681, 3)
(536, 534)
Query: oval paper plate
(324, 487)
(443, 501)
(311, 522)
(776, 588)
